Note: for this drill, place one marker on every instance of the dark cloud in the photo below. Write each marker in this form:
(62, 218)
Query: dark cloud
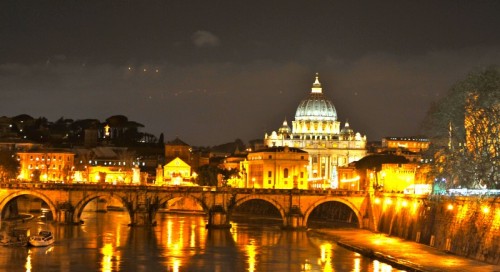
(211, 72)
(210, 103)
(202, 38)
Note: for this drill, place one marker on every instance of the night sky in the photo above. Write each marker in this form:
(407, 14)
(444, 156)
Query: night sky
(210, 72)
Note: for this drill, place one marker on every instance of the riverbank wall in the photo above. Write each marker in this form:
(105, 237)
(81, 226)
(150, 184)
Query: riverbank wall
(466, 226)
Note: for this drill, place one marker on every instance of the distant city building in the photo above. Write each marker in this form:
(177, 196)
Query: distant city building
(413, 144)
(317, 131)
(234, 161)
(15, 144)
(275, 168)
(178, 149)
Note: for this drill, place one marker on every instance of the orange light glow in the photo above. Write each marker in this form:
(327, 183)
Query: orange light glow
(486, 209)
(450, 207)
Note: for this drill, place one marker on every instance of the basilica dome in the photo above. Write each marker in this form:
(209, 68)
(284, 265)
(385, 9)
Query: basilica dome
(316, 107)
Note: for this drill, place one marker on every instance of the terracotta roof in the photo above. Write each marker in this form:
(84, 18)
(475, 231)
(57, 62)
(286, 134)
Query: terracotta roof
(177, 141)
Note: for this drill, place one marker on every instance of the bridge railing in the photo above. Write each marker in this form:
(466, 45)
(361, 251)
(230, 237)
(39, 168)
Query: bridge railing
(123, 187)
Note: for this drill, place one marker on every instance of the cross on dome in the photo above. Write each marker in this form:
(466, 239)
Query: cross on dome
(316, 88)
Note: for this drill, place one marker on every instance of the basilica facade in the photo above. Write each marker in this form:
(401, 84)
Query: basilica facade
(317, 130)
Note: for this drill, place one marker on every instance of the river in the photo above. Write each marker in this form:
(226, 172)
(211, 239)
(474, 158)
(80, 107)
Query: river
(180, 242)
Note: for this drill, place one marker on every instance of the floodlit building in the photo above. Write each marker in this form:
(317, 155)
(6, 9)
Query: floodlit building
(176, 172)
(115, 175)
(107, 164)
(46, 165)
(409, 178)
(349, 178)
(317, 131)
(276, 168)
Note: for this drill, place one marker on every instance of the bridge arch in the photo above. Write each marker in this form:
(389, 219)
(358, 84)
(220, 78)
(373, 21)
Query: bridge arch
(6, 200)
(270, 200)
(80, 206)
(198, 201)
(344, 201)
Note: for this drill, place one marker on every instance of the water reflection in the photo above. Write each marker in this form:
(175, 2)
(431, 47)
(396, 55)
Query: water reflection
(181, 243)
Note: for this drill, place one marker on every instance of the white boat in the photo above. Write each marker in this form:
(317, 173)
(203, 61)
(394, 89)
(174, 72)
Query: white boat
(44, 238)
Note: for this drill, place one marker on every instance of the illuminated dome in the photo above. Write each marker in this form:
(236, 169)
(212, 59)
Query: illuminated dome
(347, 130)
(316, 107)
(285, 129)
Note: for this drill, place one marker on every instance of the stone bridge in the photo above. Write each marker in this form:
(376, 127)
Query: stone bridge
(142, 202)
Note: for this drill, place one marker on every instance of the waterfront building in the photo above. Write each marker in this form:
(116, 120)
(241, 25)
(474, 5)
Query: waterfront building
(317, 130)
(408, 178)
(107, 164)
(275, 168)
(54, 165)
(115, 175)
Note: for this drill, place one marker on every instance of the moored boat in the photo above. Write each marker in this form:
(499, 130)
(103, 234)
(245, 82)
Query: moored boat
(44, 238)
(15, 237)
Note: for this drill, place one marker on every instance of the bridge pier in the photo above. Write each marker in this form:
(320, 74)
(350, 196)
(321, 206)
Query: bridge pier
(65, 214)
(294, 219)
(143, 214)
(142, 218)
(218, 218)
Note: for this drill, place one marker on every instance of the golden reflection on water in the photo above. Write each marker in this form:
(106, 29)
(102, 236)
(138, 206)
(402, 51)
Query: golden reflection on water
(381, 267)
(326, 256)
(117, 235)
(179, 239)
(357, 265)
(182, 243)
(28, 265)
(251, 253)
(107, 252)
(192, 238)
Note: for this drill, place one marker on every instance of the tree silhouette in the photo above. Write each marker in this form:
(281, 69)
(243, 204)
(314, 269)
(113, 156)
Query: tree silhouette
(9, 165)
(464, 129)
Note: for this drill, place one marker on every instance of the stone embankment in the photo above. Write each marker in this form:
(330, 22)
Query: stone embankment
(403, 254)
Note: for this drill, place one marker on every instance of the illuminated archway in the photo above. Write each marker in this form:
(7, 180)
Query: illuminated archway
(165, 201)
(80, 206)
(269, 200)
(44, 198)
(347, 203)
